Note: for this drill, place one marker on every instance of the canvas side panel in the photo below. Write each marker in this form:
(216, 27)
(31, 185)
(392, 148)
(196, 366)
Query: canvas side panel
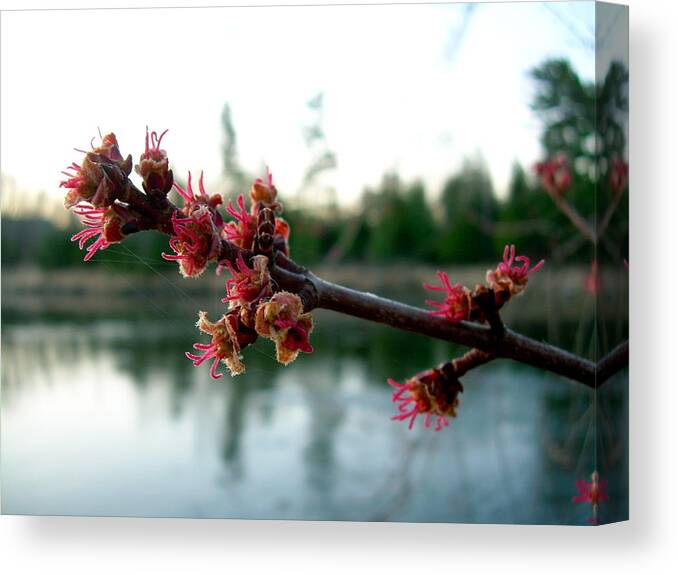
(610, 276)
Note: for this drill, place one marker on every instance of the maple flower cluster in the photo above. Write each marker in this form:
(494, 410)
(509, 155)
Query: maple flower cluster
(594, 493)
(97, 190)
(431, 393)
(434, 393)
(555, 174)
(110, 206)
(255, 307)
(508, 279)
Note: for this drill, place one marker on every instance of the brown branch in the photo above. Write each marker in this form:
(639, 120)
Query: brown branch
(613, 362)
(593, 234)
(470, 360)
(408, 318)
(316, 292)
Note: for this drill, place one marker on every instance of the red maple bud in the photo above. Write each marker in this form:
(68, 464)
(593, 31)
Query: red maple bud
(104, 225)
(195, 241)
(229, 337)
(457, 304)
(593, 492)
(431, 393)
(153, 165)
(555, 174)
(248, 285)
(509, 278)
(281, 320)
(264, 239)
(618, 175)
(264, 192)
(282, 235)
(193, 201)
(101, 178)
(243, 230)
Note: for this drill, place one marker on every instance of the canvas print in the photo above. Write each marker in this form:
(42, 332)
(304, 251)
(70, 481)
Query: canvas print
(358, 263)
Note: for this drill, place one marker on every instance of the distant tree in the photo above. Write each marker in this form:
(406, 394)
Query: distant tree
(585, 121)
(401, 225)
(469, 210)
(582, 120)
(323, 158)
(237, 178)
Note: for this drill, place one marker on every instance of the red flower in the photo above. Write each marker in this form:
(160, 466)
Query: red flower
(195, 241)
(555, 174)
(106, 223)
(243, 230)
(430, 393)
(457, 304)
(263, 191)
(593, 492)
(153, 165)
(229, 336)
(509, 277)
(248, 285)
(281, 320)
(193, 201)
(618, 174)
(101, 178)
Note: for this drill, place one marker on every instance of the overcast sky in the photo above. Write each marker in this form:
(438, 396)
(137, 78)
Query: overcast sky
(406, 87)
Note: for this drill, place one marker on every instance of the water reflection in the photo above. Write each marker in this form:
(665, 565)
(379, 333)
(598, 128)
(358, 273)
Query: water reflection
(108, 418)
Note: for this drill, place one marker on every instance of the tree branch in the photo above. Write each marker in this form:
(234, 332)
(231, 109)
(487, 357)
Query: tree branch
(613, 362)
(316, 292)
(408, 318)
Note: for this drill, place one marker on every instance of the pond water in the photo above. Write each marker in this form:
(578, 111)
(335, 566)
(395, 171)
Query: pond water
(106, 417)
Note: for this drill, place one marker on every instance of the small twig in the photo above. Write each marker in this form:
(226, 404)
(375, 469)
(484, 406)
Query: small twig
(574, 216)
(607, 218)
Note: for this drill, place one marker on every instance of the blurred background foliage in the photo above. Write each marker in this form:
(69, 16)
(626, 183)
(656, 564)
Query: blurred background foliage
(401, 221)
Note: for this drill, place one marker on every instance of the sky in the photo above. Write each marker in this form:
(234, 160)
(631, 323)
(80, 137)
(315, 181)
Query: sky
(410, 88)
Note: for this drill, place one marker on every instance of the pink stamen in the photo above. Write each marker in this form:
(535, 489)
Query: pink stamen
(213, 370)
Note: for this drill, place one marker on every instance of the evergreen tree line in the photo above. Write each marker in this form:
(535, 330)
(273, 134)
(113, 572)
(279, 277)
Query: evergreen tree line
(399, 221)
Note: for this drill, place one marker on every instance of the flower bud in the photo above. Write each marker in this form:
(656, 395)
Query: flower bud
(101, 178)
(264, 192)
(433, 393)
(457, 304)
(281, 320)
(229, 337)
(195, 241)
(104, 224)
(248, 285)
(153, 165)
(510, 279)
